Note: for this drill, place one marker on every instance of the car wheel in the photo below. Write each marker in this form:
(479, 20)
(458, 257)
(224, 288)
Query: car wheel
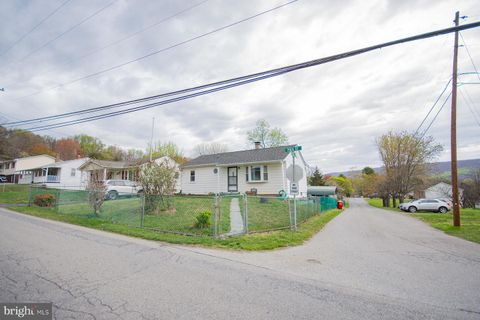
(412, 209)
(442, 210)
(112, 195)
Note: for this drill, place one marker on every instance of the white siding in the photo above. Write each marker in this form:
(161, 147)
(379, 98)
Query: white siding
(67, 181)
(206, 181)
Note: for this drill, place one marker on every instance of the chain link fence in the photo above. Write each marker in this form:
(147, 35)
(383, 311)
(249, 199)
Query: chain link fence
(193, 215)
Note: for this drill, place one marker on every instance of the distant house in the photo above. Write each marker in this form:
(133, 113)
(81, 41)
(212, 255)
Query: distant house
(122, 170)
(20, 170)
(440, 190)
(260, 170)
(62, 174)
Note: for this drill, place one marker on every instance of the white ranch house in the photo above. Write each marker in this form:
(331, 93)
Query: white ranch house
(261, 169)
(122, 170)
(20, 170)
(62, 174)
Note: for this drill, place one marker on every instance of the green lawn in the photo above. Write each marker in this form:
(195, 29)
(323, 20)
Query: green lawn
(377, 202)
(13, 193)
(470, 221)
(181, 218)
(257, 241)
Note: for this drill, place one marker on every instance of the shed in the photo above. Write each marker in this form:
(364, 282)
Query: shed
(321, 191)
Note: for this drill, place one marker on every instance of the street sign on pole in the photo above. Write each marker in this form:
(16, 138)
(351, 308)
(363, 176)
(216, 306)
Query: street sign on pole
(294, 188)
(293, 149)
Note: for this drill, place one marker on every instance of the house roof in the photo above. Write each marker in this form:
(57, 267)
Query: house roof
(110, 164)
(29, 157)
(240, 157)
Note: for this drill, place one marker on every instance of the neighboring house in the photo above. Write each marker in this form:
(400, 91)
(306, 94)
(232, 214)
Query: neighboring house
(261, 169)
(440, 190)
(20, 170)
(102, 170)
(62, 174)
(122, 170)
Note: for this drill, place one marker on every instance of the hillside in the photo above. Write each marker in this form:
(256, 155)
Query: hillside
(437, 168)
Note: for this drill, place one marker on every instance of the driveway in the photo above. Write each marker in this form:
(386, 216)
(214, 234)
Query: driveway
(366, 264)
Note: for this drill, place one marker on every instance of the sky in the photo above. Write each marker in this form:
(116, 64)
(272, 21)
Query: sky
(334, 111)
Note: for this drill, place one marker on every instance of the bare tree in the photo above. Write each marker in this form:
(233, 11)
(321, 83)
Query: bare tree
(96, 194)
(267, 136)
(405, 157)
(210, 148)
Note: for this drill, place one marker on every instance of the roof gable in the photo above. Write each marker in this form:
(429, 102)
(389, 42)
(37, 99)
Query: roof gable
(240, 157)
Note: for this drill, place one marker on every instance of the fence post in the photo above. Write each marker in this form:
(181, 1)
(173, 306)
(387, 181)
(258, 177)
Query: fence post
(142, 218)
(295, 212)
(290, 213)
(215, 217)
(29, 196)
(57, 200)
(246, 213)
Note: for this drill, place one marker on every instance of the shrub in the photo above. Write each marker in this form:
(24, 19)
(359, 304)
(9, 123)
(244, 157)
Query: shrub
(203, 220)
(45, 200)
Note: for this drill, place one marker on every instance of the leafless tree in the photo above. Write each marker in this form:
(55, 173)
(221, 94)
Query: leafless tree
(210, 148)
(405, 157)
(96, 194)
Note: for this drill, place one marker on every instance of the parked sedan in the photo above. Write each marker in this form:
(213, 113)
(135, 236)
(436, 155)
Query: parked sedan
(117, 188)
(425, 204)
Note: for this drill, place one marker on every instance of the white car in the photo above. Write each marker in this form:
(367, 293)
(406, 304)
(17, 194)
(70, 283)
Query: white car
(435, 205)
(117, 188)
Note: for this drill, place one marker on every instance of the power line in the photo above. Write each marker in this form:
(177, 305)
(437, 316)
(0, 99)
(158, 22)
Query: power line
(64, 33)
(436, 115)
(34, 28)
(129, 36)
(470, 107)
(433, 106)
(161, 50)
(257, 76)
(471, 59)
(438, 98)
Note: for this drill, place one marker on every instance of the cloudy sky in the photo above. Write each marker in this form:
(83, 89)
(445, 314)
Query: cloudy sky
(334, 111)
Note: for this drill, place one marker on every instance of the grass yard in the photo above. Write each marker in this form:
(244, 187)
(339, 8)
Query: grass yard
(180, 219)
(377, 202)
(14, 193)
(257, 241)
(267, 213)
(470, 221)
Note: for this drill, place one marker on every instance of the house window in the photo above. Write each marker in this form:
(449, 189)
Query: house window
(265, 173)
(73, 172)
(13, 165)
(192, 176)
(246, 174)
(256, 174)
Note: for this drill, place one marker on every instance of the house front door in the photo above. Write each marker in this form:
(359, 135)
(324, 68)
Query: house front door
(232, 179)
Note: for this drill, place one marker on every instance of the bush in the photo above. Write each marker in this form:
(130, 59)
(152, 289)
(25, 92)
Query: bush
(45, 200)
(203, 220)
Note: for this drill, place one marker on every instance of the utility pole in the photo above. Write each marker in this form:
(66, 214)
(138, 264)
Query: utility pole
(453, 131)
(151, 139)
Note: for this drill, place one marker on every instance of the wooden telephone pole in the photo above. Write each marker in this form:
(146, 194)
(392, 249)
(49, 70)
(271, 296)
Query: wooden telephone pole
(453, 132)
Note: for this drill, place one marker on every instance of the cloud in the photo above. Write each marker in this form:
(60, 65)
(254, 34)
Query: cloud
(334, 110)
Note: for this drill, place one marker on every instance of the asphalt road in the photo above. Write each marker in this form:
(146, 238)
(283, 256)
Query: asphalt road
(366, 264)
